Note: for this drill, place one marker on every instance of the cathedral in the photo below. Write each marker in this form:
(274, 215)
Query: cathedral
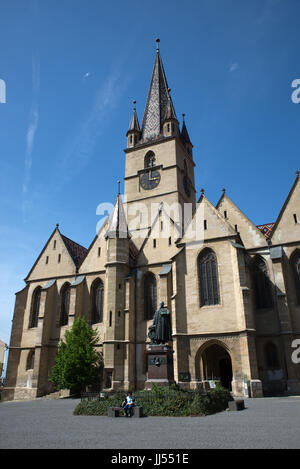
(232, 288)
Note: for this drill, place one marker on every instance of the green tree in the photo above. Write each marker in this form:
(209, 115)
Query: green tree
(77, 363)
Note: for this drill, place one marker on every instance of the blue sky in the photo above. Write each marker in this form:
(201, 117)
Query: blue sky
(72, 69)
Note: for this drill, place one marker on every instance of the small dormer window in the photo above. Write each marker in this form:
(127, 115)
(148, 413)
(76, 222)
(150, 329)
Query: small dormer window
(54, 244)
(59, 258)
(295, 218)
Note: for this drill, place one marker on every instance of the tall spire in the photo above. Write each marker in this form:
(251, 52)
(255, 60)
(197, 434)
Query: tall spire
(184, 133)
(158, 101)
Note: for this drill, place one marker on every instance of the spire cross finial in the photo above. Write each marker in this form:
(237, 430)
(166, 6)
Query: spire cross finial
(202, 191)
(223, 190)
(157, 40)
(183, 116)
(134, 105)
(119, 182)
(297, 173)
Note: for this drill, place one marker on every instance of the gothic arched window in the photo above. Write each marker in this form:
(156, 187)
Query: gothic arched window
(97, 301)
(208, 278)
(65, 304)
(262, 287)
(35, 307)
(271, 356)
(295, 262)
(150, 296)
(150, 160)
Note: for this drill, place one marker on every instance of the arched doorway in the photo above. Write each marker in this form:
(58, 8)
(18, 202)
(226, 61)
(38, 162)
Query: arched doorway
(216, 365)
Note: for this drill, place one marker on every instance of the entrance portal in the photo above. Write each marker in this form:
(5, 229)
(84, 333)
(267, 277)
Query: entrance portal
(216, 365)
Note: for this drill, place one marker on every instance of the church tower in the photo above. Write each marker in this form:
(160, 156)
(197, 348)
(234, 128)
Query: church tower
(159, 161)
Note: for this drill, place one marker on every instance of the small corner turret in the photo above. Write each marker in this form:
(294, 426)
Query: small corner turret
(185, 138)
(170, 123)
(134, 133)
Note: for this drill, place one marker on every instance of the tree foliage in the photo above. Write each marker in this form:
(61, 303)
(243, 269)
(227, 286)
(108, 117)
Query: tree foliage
(77, 362)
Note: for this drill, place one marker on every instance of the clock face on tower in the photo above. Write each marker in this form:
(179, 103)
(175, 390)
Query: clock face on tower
(150, 179)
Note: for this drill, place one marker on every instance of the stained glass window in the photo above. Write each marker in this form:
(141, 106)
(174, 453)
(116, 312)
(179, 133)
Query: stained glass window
(295, 260)
(97, 301)
(208, 278)
(262, 287)
(150, 296)
(35, 307)
(65, 304)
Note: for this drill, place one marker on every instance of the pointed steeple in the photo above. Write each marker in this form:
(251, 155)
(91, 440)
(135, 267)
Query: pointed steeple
(185, 138)
(184, 133)
(134, 132)
(158, 101)
(134, 123)
(118, 224)
(170, 123)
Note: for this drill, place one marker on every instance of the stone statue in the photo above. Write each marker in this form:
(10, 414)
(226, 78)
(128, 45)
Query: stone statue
(160, 330)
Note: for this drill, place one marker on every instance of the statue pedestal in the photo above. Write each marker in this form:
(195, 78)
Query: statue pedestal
(160, 365)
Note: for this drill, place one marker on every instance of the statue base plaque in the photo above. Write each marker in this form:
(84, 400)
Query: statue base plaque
(160, 365)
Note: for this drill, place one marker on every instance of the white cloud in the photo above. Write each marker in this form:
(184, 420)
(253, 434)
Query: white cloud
(79, 147)
(32, 128)
(86, 75)
(234, 67)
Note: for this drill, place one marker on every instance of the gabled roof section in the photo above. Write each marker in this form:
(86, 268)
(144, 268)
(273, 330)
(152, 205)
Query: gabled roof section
(207, 223)
(161, 210)
(158, 100)
(91, 262)
(285, 228)
(266, 229)
(72, 254)
(77, 252)
(251, 235)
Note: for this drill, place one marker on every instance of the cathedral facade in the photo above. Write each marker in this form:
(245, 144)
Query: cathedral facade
(232, 288)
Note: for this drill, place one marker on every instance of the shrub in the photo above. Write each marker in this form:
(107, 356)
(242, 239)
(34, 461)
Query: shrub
(164, 401)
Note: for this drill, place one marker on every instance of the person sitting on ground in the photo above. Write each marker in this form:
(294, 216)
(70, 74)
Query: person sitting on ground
(128, 404)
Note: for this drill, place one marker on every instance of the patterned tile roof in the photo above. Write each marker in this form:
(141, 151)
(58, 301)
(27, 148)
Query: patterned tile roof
(158, 101)
(77, 252)
(266, 229)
